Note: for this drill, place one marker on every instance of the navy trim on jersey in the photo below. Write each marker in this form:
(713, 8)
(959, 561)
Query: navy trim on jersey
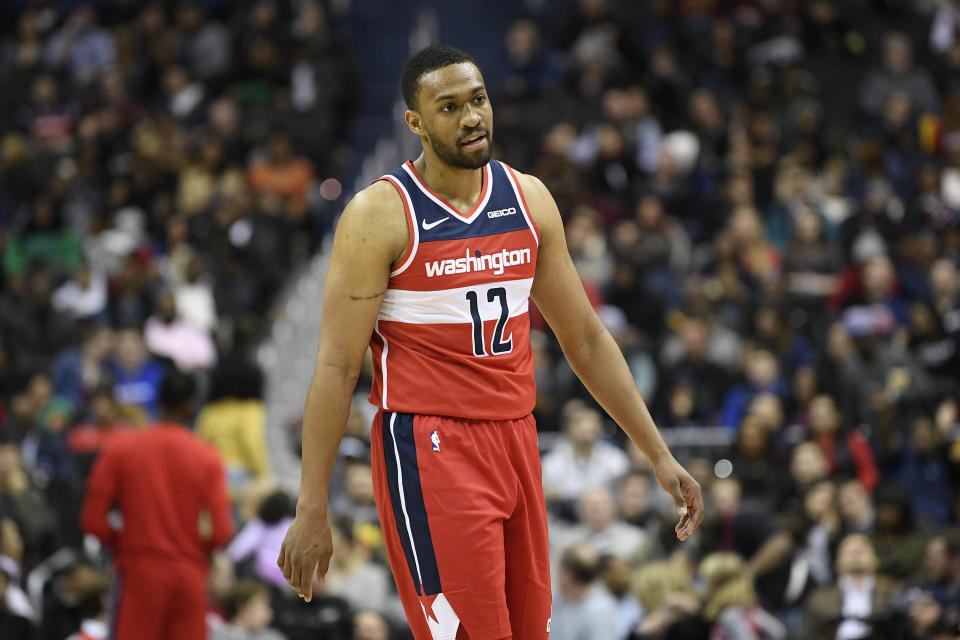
(423, 564)
(502, 204)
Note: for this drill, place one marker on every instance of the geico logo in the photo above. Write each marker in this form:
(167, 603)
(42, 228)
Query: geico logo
(499, 213)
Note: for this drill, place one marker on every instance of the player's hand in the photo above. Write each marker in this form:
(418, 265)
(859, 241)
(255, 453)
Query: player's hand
(306, 552)
(686, 495)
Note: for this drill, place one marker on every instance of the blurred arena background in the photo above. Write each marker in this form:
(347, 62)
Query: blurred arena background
(761, 196)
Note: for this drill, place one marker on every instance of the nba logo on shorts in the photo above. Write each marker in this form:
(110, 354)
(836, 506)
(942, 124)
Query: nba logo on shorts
(435, 440)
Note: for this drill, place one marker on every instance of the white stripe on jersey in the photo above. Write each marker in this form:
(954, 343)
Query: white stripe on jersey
(412, 221)
(523, 209)
(450, 306)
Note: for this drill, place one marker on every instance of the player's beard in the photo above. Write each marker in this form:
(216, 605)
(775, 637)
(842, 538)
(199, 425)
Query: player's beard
(456, 157)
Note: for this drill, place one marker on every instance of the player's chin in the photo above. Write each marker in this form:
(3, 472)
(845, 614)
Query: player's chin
(475, 159)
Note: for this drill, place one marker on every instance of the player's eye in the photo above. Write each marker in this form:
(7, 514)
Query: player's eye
(480, 99)
(447, 107)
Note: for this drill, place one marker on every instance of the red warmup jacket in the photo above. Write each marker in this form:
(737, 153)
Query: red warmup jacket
(170, 489)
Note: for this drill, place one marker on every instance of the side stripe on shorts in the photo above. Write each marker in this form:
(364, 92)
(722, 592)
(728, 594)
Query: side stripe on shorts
(406, 497)
(113, 607)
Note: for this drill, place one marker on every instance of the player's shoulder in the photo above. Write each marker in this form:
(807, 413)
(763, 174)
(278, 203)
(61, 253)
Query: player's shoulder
(379, 201)
(200, 449)
(378, 208)
(119, 445)
(531, 185)
(375, 221)
(537, 197)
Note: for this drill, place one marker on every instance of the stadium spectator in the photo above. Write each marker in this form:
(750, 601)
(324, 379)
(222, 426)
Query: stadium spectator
(582, 608)
(356, 577)
(82, 46)
(13, 625)
(87, 439)
(856, 508)
(616, 573)
(808, 466)
(136, 376)
(639, 505)
(818, 530)
(602, 530)
(194, 296)
(669, 601)
(945, 293)
(731, 602)
(233, 421)
(82, 297)
(284, 176)
(93, 595)
(897, 543)
(846, 454)
(79, 371)
(697, 356)
(249, 614)
(261, 537)
(25, 506)
(580, 458)
(859, 599)
(758, 464)
(369, 625)
(762, 373)
(923, 470)
(167, 334)
(953, 550)
(939, 577)
(898, 76)
(356, 501)
(937, 351)
(766, 548)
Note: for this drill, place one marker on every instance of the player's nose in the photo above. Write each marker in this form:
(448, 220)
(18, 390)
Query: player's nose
(471, 118)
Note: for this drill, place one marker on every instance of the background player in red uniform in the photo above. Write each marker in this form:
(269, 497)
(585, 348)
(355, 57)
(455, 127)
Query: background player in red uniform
(170, 490)
(435, 523)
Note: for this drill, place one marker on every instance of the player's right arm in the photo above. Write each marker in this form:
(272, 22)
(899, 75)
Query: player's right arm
(370, 237)
(100, 496)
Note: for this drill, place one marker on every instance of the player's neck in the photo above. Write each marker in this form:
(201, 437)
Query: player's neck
(460, 187)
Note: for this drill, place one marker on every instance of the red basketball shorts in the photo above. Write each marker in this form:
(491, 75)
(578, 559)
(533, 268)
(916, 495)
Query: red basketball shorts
(158, 600)
(463, 515)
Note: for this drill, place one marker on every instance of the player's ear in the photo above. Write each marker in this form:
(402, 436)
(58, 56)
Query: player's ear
(414, 121)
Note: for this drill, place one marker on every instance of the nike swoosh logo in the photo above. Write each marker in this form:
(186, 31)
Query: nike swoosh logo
(430, 225)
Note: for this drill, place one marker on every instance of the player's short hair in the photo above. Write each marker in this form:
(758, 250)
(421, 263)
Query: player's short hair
(436, 56)
(176, 390)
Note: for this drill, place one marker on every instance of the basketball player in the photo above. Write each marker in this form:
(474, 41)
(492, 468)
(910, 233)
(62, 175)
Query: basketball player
(432, 267)
(170, 489)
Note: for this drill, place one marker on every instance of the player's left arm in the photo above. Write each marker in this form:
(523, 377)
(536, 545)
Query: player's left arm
(595, 357)
(217, 515)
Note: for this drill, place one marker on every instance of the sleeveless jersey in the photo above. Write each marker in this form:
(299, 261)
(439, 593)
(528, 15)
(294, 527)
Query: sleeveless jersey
(452, 337)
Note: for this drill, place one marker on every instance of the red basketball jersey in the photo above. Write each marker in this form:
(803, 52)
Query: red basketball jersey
(453, 333)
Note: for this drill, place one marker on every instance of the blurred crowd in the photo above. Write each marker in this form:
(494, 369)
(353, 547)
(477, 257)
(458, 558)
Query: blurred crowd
(761, 196)
(165, 167)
